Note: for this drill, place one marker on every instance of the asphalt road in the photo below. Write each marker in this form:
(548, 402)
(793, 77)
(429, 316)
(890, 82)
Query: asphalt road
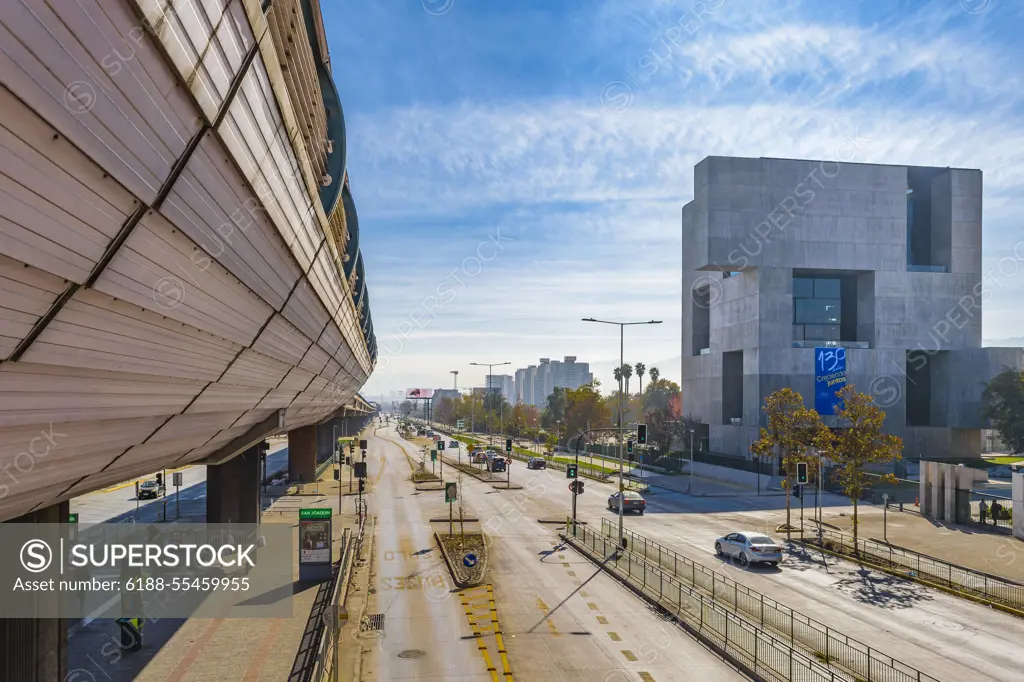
(118, 503)
(945, 637)
(561, 618)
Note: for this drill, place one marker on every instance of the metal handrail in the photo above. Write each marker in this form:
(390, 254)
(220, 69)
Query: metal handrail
(826, 643)
(954, 576)
(765, 655)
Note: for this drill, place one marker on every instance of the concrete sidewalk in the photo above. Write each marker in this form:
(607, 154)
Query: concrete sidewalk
(970, 546)
(218, 650)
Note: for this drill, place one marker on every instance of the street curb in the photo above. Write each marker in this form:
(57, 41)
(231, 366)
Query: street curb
(921, 581)
(464, 584)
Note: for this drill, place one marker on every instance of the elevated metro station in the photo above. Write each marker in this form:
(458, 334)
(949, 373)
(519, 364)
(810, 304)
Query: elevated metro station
(180, 273)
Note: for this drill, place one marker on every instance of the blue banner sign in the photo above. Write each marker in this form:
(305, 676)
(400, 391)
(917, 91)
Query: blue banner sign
(829, 378)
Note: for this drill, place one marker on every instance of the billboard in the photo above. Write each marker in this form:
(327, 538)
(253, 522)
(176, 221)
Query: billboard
(419, 393)
(829, 378)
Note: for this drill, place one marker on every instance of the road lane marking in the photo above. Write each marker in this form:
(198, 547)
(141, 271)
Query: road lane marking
(553, 629)
(646, 677)
(502, 652)
(592, 605)
(615, 636)
(630, 656)
(602, 620)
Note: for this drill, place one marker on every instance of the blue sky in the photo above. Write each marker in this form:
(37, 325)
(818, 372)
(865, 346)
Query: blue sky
(520, 165)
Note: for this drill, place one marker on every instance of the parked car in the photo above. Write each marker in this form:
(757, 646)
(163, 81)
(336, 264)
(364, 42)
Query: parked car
(633, 501)
(537, 463)
(496, 464)
(150, 490)
(749, 547)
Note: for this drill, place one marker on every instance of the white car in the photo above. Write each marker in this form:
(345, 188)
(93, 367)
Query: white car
(749, 547)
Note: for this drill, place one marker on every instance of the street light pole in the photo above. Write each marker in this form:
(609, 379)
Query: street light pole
(490, 378)
(622, 360)
(690, 484)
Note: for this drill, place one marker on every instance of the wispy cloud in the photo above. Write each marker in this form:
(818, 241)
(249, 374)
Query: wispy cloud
(490, 117)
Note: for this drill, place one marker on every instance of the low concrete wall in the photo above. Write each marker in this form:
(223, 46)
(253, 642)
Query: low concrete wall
(739, 476)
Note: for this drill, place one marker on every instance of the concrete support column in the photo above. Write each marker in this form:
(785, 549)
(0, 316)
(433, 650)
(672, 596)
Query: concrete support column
(233, 489)
(1018, 505)
(302, 454)
(35, 650)
(938, 502)
(924, 489)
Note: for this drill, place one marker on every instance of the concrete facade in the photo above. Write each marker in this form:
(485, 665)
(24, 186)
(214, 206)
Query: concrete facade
(911, 295)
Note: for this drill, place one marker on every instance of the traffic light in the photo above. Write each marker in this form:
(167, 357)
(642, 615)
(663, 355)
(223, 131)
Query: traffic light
(579, 487)
(570, 471)
(440, 445)
(508, 445)
(801, 472)
(641, 434)
(362, 445)
(798, 491)
(362, 484)
(264, 446)
(629, 446)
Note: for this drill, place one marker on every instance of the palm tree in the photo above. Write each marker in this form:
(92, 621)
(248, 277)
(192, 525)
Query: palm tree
(618, 375)
(640, 375)
(655, 373)
(627, 372)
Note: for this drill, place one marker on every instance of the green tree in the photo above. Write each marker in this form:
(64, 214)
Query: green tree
(858, 444)
(554, 410)
(654, 373)
(584, 406)
(792, 430)
(406, 408)
(639, 367)
(1003, 401)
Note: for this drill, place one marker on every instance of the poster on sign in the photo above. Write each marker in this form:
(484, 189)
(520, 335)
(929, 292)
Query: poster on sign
(829, 378)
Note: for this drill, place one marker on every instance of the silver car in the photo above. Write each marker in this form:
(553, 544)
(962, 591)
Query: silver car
(749, 547)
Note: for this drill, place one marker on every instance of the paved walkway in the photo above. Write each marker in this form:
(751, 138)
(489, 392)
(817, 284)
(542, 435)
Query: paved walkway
(216, 650)
(971, 546)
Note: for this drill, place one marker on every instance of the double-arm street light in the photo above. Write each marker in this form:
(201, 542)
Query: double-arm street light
(490, 366)
(622, 360)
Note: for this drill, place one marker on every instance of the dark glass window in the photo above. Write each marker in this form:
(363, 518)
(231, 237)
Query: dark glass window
(803, 287)
(826, 288)
(816, 311)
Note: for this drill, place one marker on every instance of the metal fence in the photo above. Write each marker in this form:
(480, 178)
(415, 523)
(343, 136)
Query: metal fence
(765, 655)
(985, 509)
(799, 629)
(956, 577)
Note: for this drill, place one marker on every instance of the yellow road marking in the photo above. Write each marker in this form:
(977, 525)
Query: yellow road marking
(480, 643)
(646, 677)
(506, 668)
(592, 605)
(541, 605)
(602, 620)
(552, 629)
(615, 636)
(572, 574)
(565, 565)
(630, 656)
(583, 593)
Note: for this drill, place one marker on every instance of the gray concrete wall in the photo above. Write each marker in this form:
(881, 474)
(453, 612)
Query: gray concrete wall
(768, 217)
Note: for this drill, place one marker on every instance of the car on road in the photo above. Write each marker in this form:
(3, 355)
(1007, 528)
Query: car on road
(150, 490)
(633, 501)
(537, 463)
(478, 457)
(496, 464)
(453, 444)
(749, 547)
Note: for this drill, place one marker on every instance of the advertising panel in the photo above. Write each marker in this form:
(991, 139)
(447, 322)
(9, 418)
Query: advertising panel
(829, 378)
(419, 393)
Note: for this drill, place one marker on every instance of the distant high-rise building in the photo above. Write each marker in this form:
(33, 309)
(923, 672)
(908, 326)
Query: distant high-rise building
(504, 384)
(535, 383)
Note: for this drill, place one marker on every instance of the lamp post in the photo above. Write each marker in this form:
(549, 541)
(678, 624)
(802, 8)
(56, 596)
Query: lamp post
(622, 334)
(490, 366)
(689, 487)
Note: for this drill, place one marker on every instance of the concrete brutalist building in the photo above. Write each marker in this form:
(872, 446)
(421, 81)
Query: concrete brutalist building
(781, 256)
